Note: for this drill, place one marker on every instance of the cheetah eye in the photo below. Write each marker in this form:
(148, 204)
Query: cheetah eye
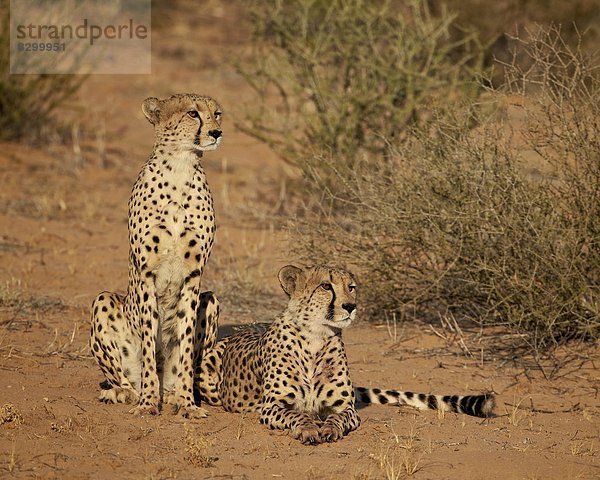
(326, 286)
(193, 114)
(351, 288)
(218, 114)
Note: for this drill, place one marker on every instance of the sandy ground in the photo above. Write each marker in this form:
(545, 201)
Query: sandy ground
(63, 238)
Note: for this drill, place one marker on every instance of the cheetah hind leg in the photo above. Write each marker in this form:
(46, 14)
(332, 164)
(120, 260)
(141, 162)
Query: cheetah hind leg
(207, 315)
(208, 360)
(115, 349)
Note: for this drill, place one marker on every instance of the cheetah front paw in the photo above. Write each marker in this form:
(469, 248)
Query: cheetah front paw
(119, 395)
(307, 434)
(192, 411)
(183, 406)
(142, 410)
(330, 433)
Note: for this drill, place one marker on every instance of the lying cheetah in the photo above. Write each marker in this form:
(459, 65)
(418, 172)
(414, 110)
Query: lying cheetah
(146, 341)
(296, 373)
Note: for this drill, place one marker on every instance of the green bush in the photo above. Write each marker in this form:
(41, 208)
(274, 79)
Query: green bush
(28, 102)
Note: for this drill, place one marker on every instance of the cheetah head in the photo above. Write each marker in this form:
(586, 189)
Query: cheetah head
(320, 295)
(185, 121)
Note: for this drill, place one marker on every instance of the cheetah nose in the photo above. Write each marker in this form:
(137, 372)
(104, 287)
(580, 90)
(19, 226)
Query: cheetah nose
(349, 307)
(215, 133)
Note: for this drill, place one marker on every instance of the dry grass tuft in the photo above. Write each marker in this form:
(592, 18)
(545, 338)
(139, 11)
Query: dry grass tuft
(10, 293)
(515, 414)
(396, 463)
(12, 296)
(196, 448)
(64, 427)
(402, 455)
(10, 414)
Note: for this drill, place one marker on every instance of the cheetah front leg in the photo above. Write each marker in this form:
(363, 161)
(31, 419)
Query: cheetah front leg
(116, 349)
(341, 417)
(148, 322)
(206, 355)
(191, 336)
(336, 398)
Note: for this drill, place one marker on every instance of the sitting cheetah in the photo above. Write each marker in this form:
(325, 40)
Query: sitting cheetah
(146, 341)
(296, 373)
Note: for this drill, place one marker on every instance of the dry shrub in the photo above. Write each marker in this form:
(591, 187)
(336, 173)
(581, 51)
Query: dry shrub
(418, 182)
(495, 22)
(457, 225)
(28, 103)
(349, 75)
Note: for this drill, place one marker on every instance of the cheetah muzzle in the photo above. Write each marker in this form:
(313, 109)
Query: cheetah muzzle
(295, 373)
(147, 341)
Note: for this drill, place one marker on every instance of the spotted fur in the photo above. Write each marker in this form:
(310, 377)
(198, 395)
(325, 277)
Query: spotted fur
(146, 341)
(295, 373)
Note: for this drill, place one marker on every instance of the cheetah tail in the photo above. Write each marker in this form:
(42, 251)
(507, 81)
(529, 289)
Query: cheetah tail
(475, 405)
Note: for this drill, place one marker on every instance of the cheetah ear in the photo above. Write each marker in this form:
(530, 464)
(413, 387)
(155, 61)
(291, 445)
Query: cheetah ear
(151, 108)
(290, 278)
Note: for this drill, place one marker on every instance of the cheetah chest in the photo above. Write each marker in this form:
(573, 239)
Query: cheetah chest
(315, 374)
(178, 225)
